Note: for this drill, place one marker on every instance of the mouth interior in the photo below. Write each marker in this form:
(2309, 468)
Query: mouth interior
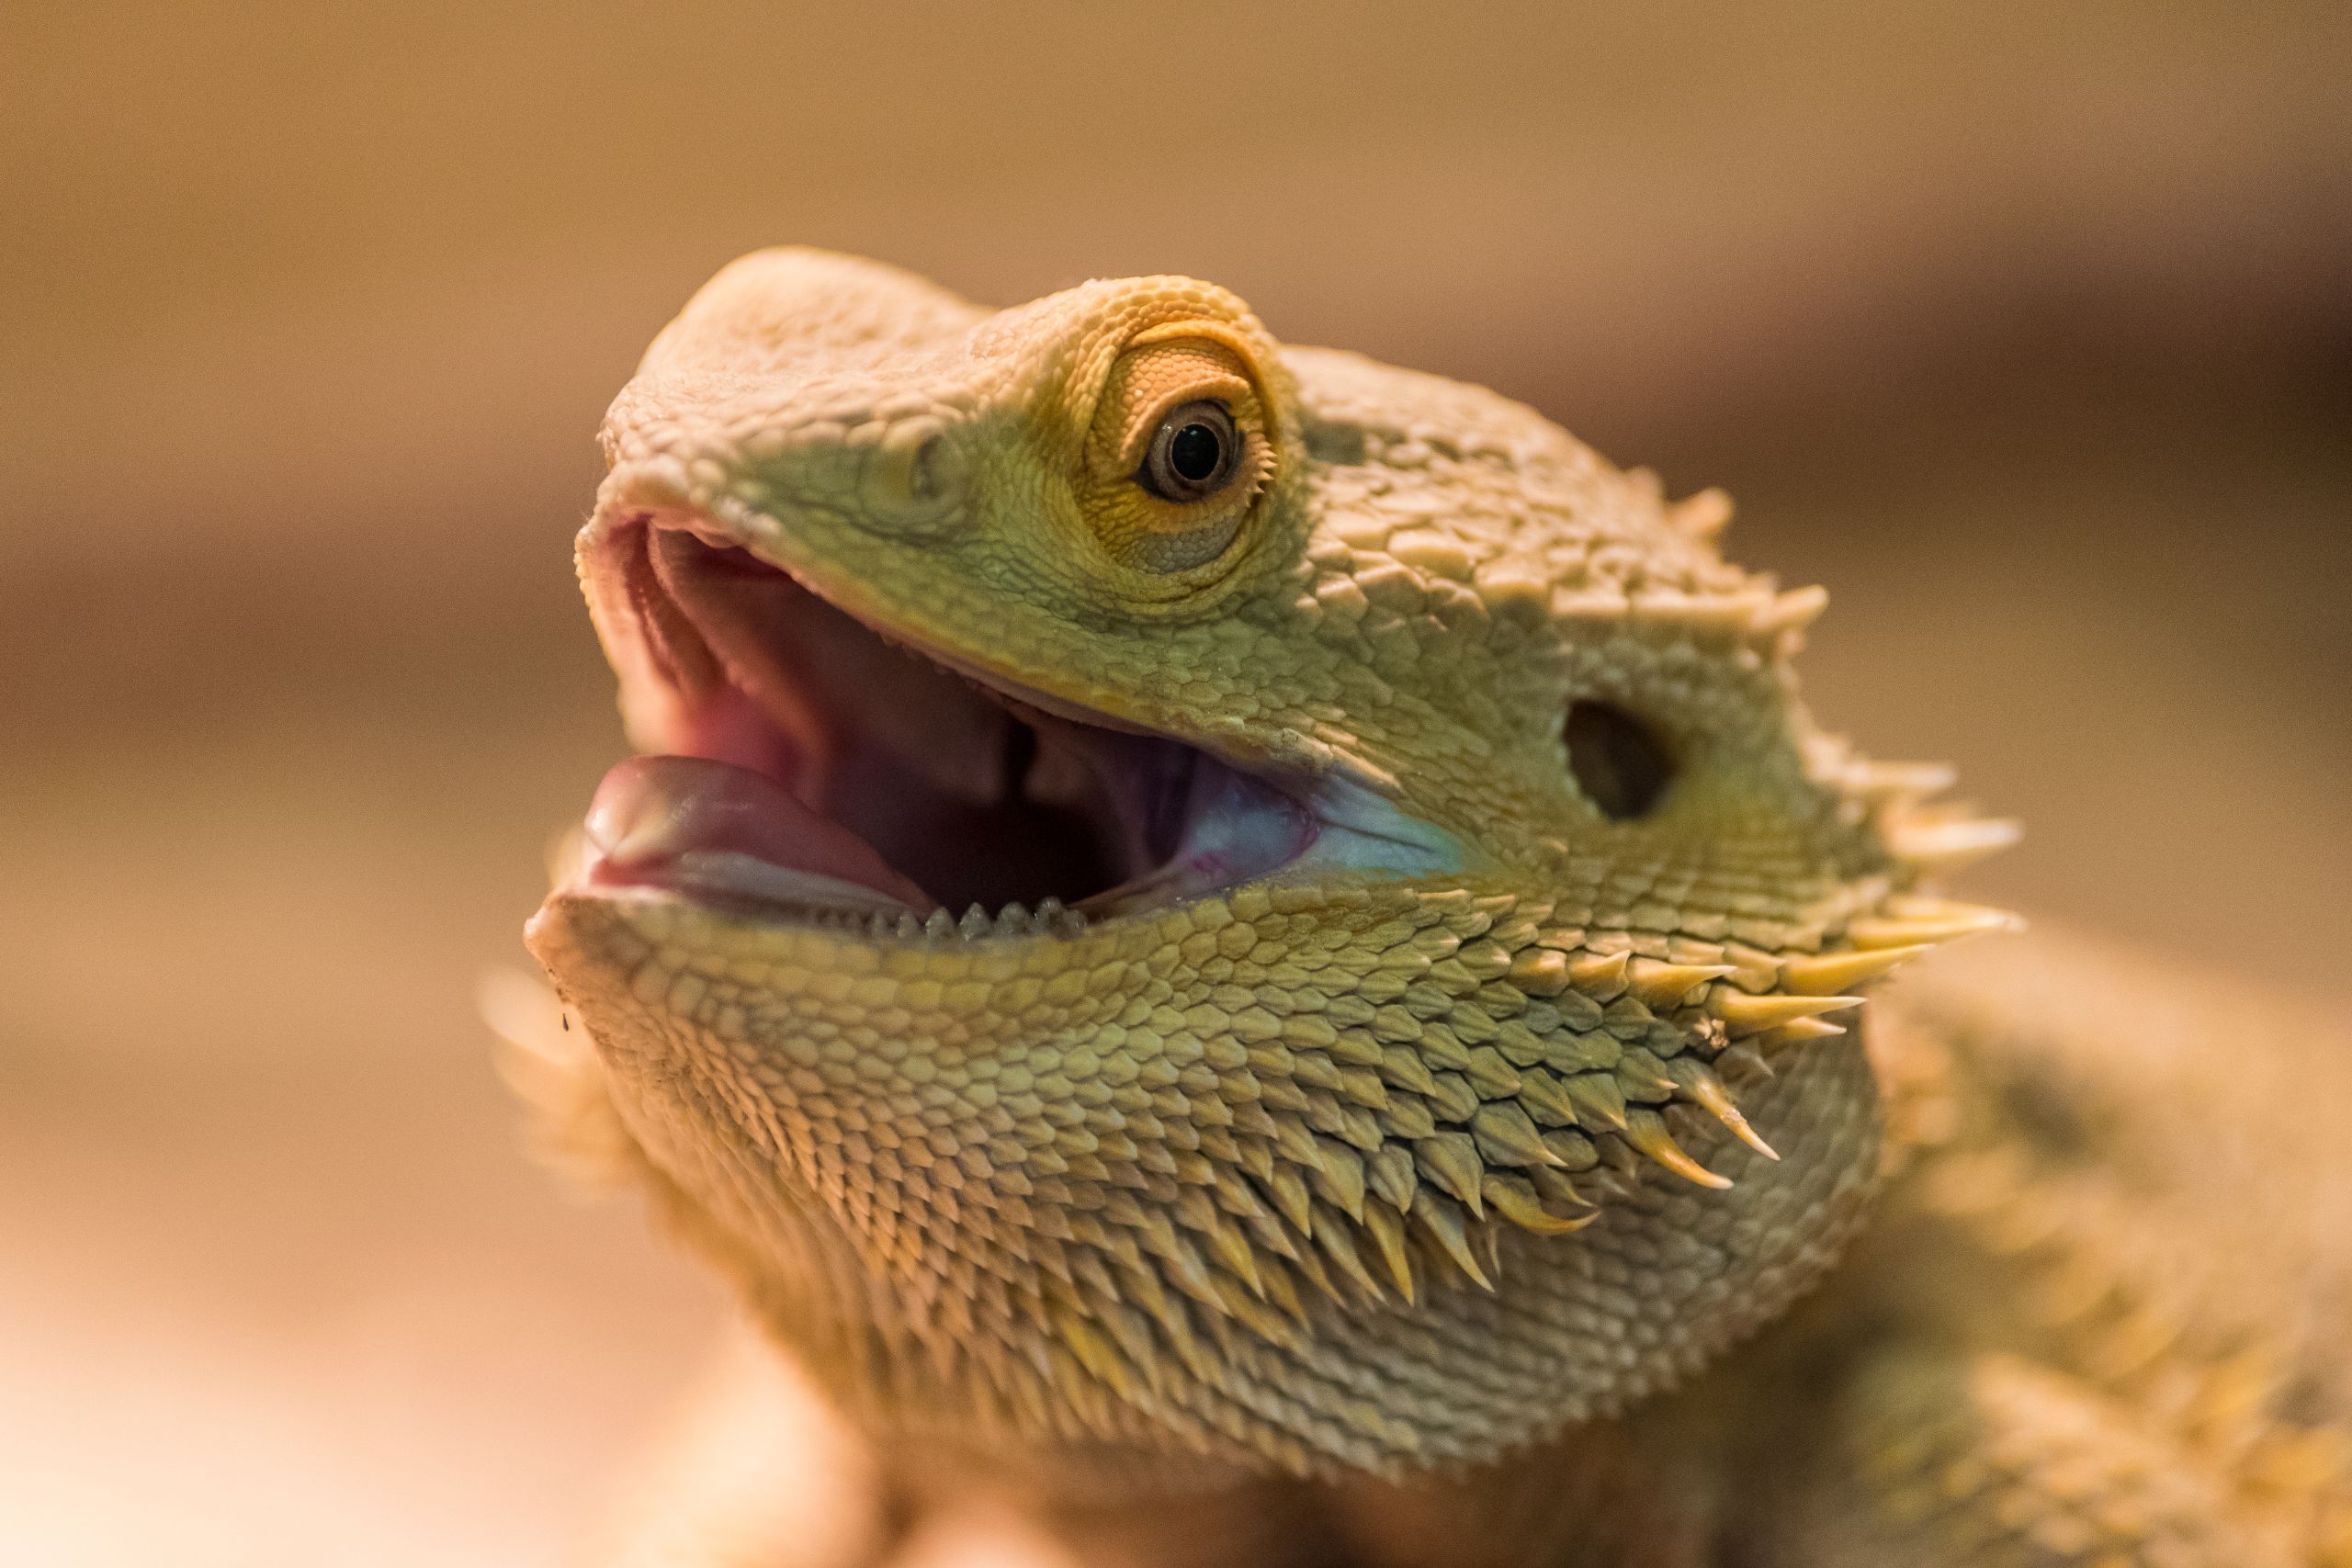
(799, 741)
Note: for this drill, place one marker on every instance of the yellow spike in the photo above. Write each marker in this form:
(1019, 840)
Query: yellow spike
(1900, 781)
(1937, 849)
(1270, 1234)
(1095, 1275)
(1505, 1136)
(1539, 971)
(1638, 1070)
(1442, 1221)
(1451, 1160)
(1703, 614)
(1391, 1175)
(1185, 1267)
(1094, 1352)
(1288, 1189)
(1645, 1129)
(1029, 1395)
(1799, 1030)
(1516, 1201)
(1235, 1194)
(1294, 1141)
(1829, 973)
(1597, 1095)
(1703, 515)
(1542, 1091)
(1309, 1262)
(1791, 610)
(1233, 1249)
(1260, 1318)
(1387, 1228)
(1557, 1188)
(1338, 1175)
(1661, 985)
(1136, 1346)
(1283, 1293)
(1145, 1288)
(1747, 1014)
(1339, 1243)
(1705, 1090)
(1936, 907)
(1488, 1239)
(1600, 976)
(1927, 920)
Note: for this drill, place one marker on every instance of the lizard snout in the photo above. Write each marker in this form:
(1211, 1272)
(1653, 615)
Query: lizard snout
(890, 471)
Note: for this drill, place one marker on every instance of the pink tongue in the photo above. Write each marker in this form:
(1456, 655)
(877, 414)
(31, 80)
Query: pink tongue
(651, 813)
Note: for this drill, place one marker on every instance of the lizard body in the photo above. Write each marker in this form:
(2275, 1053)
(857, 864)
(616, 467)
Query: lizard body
(1407, 1029)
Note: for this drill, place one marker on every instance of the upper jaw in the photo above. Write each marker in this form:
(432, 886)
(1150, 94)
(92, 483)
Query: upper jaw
(803, 765)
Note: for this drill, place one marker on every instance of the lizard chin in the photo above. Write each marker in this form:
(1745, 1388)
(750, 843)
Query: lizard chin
(799, 765)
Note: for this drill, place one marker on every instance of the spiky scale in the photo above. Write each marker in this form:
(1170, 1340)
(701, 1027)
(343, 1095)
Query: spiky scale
(1798, 1033)
(1791, 611)
(1443, 1223)
(1830, 973)
(1660, 984)
(1287, 1188)
(1645, 1129)
(1491, 1076)
(1390, 1175)
(1599, 975)
(1517, 1200)
(1702, 1089)
(1927, 922)
(1387, 1228)
(1555, 1187)
(1938, 849)
(1337, 1177)
(1598, 1102)
(1450, 1160)
(1643, 1076)
(1337, 1238)
(1540, 972)
(1745, 1014)
(1504, 1135)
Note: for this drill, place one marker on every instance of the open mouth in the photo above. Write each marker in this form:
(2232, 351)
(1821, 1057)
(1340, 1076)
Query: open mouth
(802, 765)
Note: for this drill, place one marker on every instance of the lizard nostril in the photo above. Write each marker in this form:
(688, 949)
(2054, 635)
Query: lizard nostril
(1622, 767)
(914, 474)
(932, 472)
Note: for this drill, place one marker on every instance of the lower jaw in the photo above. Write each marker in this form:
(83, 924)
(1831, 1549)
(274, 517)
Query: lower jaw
(716, 833)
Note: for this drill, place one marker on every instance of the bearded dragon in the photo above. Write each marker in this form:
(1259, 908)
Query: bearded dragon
(1254, 952)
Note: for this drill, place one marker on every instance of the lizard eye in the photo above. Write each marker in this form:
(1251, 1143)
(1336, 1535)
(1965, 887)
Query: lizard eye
(1619, 764)
(1194, 454)
(1179, 451)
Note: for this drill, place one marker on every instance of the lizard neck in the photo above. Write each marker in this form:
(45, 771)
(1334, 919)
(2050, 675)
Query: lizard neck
(1578, 1327)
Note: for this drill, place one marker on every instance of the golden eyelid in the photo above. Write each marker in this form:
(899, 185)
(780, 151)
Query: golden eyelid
(1237, 396)
(1216, 333)
(1151, 381)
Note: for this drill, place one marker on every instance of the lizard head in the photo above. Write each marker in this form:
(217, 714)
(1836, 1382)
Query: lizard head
(1188, 895)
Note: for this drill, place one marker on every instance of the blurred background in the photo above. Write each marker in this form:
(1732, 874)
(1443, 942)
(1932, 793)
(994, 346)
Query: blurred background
(2026, 328)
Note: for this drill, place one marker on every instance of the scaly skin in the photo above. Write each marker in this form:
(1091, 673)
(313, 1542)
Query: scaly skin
(1409, 1201)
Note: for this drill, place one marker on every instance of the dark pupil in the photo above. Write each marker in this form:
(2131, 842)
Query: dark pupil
(1195, 453)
